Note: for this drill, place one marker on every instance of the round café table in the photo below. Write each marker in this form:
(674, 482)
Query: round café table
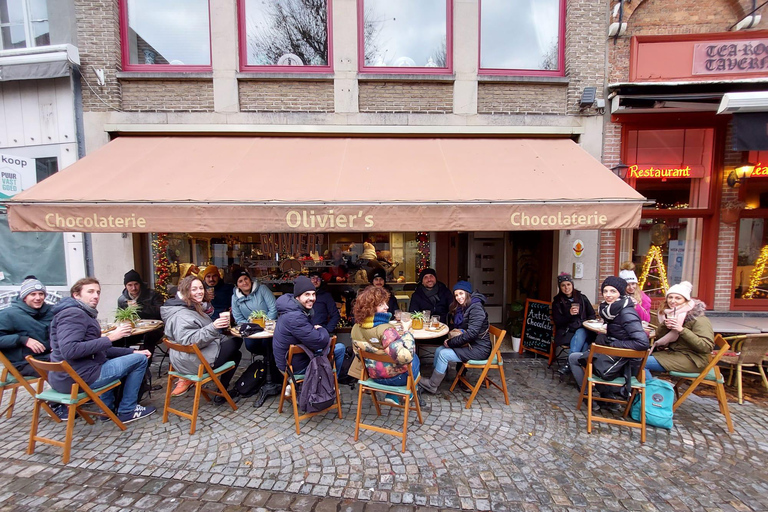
(429, 337)
(269, 388)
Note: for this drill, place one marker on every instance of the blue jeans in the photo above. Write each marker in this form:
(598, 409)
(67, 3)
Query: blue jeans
(652, 365)
(443, 356)
(402, 379)
(130, 370)
(338, 356)
(579, 340)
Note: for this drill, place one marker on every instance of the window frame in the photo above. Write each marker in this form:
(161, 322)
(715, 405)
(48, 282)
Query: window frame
(28, 37)
(242, 39)
(560, 71)
(159, 68)
(378, 70)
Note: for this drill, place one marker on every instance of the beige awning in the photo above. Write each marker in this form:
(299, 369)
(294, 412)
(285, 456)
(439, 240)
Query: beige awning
(323, 184)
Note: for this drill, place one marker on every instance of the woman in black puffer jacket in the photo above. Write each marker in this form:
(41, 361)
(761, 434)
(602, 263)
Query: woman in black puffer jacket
(623, 326)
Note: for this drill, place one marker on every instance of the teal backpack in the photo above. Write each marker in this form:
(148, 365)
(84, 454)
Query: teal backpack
(659, 398)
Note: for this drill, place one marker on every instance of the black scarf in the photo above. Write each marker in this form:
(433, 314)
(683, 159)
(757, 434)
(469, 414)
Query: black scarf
(611, 311)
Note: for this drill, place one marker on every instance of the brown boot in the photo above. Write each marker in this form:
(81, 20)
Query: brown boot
(431, 384)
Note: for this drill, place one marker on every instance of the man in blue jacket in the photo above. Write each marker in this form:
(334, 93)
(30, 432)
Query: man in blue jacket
(24, 326)
(218, 293)
(295, 327)
(76, 338)
(324, 311)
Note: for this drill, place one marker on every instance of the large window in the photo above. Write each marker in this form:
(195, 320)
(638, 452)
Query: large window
(285, 35)
(522, 36)
(167, 35)
(398, 34)
(23, 24)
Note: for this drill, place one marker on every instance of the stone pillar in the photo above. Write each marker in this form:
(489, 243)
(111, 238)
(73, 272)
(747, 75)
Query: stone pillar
(344, 41)
(224, 55)
(466, 41)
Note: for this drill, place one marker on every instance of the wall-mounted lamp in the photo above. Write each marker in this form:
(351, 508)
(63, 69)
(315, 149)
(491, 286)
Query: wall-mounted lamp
(739, 174)
(620, 170)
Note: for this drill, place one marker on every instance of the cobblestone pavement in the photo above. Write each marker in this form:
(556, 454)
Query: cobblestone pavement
(534, 454)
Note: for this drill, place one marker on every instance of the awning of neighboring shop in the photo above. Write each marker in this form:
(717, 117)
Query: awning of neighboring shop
(327, 184)
(38, 62)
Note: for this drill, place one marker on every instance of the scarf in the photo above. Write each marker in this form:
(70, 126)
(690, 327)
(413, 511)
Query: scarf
(431, 294)
(610, 311)
(92, 312)
(377, 319)
(680, 312)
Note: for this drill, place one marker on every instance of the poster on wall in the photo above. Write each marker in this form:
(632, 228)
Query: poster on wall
(16, 174)
(675, 261)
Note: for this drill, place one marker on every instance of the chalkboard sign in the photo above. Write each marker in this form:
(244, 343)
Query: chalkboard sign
(538, 328)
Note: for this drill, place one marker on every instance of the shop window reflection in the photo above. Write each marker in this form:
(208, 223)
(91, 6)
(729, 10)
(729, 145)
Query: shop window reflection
(751, 276)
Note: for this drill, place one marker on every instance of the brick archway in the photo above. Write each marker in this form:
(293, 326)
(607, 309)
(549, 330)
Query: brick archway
(739, 8)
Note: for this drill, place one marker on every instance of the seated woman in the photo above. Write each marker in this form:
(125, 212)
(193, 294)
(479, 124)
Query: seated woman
(685, 337)
(640, 298)
(469, 338)
(187, 324)
(570, 309)
(372, 332)
(623, 326)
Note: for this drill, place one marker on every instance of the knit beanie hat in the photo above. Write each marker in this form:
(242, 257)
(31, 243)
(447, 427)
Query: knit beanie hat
(29, 285)
(315, 273)
(617, 283)
(210, 269)
(463, 285)
(685, 288)
(426, 272)
(628, 275)
(563, 277)
(379, 272)
(240, 273)
(301, 285)
(131, 276)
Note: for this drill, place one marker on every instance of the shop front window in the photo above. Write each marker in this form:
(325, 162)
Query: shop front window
(405, 34)
(173, 35)
(751, 277)
(285, 35)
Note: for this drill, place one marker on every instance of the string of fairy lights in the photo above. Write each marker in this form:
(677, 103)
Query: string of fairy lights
(758, 276)
(654, 272)
(422, 251)
(161, 263)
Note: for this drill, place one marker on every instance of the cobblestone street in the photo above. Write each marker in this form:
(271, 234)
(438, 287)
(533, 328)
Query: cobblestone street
(532, 455)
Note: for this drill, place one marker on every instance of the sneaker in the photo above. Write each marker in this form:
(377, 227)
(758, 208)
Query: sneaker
(287, 393)
(182, 386)
(138, 413)
(564, 370)
(392, 400)
(218, 400)
(62, 411)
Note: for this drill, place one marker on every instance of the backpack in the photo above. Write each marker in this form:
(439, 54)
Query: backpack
(344, 376)
(252, 379)
(318, 389)
(659, 398)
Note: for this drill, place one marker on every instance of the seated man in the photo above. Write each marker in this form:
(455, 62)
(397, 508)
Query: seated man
(137, 293)
(295, 327)
(431, 295)
(24, 326)
(218, 293)
(76, 338)
(324, 311)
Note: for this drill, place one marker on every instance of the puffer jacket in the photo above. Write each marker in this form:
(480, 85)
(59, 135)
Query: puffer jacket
(565, 323)
(149, 301)
(690, 353)
(623, 327)
(18, 323)
(295, 327)
(475, 341)
(325, 312)
(185, 326)
(382, 338)
(76, 338)
(260, 299)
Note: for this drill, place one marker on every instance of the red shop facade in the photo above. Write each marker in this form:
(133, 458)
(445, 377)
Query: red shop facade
(692, 122)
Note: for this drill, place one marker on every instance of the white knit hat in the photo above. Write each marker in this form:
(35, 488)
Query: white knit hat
(628, 275)
(685, 288)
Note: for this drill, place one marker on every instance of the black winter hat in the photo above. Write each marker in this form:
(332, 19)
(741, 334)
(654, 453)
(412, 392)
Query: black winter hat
(379, 272)
(301, 285)
(132, 276)
(426, 271)
(240, 273)
(617, 283)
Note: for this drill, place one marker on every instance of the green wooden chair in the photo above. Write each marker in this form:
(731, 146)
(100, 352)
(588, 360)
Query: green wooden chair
(494, 362)
(11, 380)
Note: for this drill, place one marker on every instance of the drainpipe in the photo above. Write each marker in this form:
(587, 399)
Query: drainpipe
(77, 91)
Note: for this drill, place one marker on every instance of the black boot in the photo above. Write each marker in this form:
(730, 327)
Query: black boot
(565, 370)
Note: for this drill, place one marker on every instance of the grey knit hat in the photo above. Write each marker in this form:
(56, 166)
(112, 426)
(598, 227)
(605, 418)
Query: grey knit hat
(29, 285)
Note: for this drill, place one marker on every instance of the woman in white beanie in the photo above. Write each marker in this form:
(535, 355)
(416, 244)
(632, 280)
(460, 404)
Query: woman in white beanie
(685, 336)
(640, 298)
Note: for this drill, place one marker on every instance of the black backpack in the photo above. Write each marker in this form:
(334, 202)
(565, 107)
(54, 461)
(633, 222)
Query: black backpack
(252, 379)
(318, 389)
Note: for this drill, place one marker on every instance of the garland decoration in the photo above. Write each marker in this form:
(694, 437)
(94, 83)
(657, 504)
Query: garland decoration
(161, 263)
(422, 251)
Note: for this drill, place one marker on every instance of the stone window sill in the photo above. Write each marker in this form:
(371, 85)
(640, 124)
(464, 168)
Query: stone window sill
(549, 80)
(150, 75)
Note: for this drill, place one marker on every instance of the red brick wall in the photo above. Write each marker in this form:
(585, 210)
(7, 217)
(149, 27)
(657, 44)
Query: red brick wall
(286, 96)
(420, 97)
(98, 41)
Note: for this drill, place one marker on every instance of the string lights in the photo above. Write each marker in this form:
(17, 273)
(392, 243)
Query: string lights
(422, 250)
(162, 265)
(654, 270)
(758, 276)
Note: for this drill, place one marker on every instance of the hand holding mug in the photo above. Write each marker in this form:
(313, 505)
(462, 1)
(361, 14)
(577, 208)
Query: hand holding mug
(222, 322)
(209, 293)
(673, 324)
(122, 331)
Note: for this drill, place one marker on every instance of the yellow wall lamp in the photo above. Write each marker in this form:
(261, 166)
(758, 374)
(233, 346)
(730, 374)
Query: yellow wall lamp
(740, 174)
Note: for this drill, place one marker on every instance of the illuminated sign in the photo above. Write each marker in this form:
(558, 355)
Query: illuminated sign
(760, 171)
(653, 172)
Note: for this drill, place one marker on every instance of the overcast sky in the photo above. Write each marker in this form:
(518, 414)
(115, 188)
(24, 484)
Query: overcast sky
(178, 29)
(516, 34)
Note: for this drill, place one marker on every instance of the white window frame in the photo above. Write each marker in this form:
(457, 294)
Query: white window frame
(27, 26)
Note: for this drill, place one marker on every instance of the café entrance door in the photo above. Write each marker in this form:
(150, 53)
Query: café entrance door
(487, 270)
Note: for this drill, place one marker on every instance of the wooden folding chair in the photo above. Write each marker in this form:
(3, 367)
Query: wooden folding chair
(747, 351)
(11, 380)
(79, 395)
(407, 393)
(293, 350)
(205, 374)
(637, 385)
(709, 376)
(494, 362)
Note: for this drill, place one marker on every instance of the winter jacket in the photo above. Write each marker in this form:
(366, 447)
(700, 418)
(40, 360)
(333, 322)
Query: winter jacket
(475, 341)
(149, 301)
(295, 327)
(644, 307)
(185, 326)
(260, 299)
(624, 330)
(325, 312)
(382, 338)
(222, 298)
(76, 338)
(438, 304)
(18, 323)
(690, 353)
(565, 323)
